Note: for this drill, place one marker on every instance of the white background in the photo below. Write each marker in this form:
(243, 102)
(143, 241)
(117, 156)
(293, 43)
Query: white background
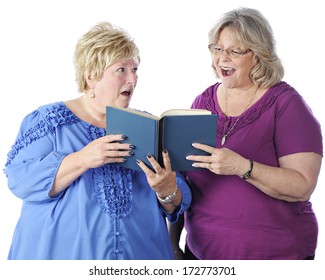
(38, 40)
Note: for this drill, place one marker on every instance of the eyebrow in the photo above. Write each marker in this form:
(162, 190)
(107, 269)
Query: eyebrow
(232, 47)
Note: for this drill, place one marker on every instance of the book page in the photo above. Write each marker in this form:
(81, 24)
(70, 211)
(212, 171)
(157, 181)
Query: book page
(180, 112)
(170, 112)
(137, 112)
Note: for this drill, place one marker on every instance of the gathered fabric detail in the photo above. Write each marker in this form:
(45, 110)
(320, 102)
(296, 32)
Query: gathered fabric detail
(59, 115)
(249, 116)
(113, 184)
(54, 116)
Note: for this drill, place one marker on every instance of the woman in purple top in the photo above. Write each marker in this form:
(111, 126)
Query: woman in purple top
(251, 196)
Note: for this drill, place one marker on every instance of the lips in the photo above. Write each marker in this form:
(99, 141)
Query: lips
(126, 93)
(227, 71)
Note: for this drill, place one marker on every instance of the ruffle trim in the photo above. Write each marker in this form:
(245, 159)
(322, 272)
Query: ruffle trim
(113, 184)
(55, 115)
(250, 115)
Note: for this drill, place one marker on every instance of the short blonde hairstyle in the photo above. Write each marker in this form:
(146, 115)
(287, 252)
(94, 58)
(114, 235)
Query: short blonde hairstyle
(100, 47)
(252, 31)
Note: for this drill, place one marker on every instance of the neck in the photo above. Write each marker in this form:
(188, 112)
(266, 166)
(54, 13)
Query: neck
(244, 92)
(92, 115)
(251, 97)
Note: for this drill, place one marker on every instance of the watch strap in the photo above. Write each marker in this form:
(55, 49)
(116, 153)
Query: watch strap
(169, 198)
(248, 173)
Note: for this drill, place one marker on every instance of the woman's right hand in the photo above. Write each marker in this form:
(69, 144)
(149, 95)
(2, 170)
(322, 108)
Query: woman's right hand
(106, 149)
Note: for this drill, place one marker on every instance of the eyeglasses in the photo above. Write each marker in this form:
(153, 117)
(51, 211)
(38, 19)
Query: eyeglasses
(233, 53)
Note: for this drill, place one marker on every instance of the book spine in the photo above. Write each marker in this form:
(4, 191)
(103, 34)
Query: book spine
(160, 144)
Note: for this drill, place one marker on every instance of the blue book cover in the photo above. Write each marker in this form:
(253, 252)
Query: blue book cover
(175, 130)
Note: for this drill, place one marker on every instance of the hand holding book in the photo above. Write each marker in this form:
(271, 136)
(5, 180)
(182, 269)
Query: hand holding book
(175, 130)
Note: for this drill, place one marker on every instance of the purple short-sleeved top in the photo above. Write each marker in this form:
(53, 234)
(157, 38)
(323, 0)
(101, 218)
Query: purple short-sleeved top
(231, 219)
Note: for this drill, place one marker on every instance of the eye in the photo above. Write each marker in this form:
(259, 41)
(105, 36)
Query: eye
(236, 52)
(122, 69)
(135, 69)
(218, 49)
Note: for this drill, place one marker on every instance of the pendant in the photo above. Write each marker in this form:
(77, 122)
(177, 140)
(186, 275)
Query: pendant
(223, 140)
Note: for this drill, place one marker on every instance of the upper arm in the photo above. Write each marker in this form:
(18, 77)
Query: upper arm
(307, 164)
(32, 162)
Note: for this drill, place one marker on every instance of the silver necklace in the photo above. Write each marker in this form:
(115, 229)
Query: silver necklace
(225, 135)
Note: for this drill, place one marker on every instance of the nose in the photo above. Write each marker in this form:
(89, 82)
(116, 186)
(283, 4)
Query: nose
(132, 79)
(224, 54)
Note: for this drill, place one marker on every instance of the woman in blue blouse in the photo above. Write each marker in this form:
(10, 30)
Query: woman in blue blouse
(78, 202)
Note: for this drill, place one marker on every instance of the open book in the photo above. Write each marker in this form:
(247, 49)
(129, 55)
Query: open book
(174, 130)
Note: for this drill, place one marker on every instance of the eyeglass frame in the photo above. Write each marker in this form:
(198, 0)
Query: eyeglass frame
(234, 53)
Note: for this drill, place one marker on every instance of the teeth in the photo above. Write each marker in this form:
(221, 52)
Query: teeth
(226, 68)
(227, 71)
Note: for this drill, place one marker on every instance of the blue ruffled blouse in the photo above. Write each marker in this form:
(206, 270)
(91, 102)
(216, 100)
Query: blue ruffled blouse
(109, 212)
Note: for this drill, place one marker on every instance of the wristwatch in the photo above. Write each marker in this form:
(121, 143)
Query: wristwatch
(247, 175)
(169, 198)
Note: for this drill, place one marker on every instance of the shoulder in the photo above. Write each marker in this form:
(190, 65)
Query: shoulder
(283, 92)
(205, 100)
(297, 129)
(40, 123)
(280, 97)
(57, 114)
(49, 115)
(287, 97)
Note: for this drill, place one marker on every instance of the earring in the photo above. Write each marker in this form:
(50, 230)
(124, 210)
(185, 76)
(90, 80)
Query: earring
(92, 94)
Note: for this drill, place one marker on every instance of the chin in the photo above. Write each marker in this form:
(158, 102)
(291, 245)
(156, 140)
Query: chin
(124, 105)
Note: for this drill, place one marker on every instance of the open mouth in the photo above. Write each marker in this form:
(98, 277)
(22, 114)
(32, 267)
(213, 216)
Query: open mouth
(227, 71)
(126, 93)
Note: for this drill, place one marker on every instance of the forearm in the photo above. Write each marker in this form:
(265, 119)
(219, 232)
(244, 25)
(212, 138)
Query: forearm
(70, 169)
(175, 231)
(281, 183)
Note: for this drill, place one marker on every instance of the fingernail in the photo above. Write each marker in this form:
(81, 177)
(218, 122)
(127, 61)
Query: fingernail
(149, 155)
(138, 161)
(123, 137)
(131, 153)
(165, 151)
(131, 146)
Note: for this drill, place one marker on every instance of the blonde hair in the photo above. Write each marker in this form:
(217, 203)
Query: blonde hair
(100, 47)
(253, 31)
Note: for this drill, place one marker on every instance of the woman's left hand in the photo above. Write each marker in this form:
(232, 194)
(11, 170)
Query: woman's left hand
(162, 180)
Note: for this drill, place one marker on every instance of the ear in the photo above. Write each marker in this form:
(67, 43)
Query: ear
(255, 59)
(89, 80)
